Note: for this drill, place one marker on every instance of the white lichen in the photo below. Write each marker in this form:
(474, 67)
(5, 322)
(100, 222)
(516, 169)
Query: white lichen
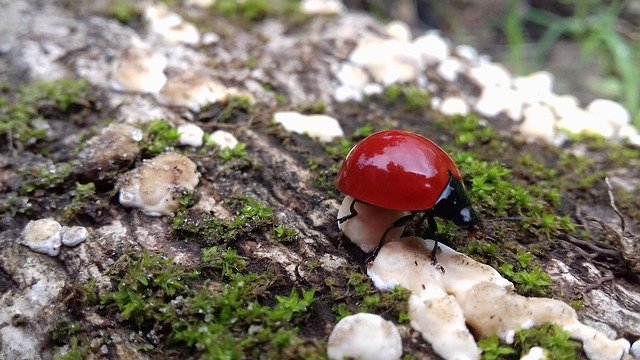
(192, 89)
(190, 135)
(364, 336)
(157, 185)
(139, 69)
(72, 236)
(478, 293)
(43, 236)
(322, 127)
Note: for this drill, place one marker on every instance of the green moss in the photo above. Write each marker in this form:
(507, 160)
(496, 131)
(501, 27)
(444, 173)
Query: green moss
(84, 194)
(43, 177)
(359, 295)
(125, 11)
(238, 152)
(160, 136)
(20, 114)
(255, 10)
(408, 98)
(75, 351)
(216, 320)
(492, 349)
(249, 215)
(226, 262)
(552, 338)
(528, 279)
(318, 107)
(233, 107)
(285, 234)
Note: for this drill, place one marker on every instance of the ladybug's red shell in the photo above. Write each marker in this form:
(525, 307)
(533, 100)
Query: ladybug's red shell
(396, 170)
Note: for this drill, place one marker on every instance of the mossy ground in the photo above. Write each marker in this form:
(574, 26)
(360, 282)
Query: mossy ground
(236, 304)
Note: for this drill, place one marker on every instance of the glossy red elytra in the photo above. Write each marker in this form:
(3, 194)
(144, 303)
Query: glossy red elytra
(400, 170)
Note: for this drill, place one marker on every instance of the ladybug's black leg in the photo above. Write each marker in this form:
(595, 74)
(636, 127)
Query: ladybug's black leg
(433, 231)
(352, 213)
(396, 224)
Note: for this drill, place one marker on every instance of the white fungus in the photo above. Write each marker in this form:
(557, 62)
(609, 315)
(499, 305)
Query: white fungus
(432, 47)
(538, 123)
(610, 111)
(223, 139)
(322, 127)
(486, 300)
(157, 185)
(116, 147)
(170, 26)
(345, 93)
(635, 349)
(468, 53)
(139, 69)
(450, 68)
(497, 99)
(388, 60)
(72, 236)
(190, 135)
(364, 336)
(535, 87)
(321, 7)
(535, 353)
(490, 75)
(366, 229)
(192, 89)
(353, 76)
(453, 106)
(578, 120)
(43, 236)
(398, 30)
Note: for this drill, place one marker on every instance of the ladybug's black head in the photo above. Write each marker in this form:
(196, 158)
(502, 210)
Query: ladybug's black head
(454, 205)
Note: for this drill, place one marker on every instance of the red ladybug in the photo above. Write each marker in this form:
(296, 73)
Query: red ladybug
(400, 170)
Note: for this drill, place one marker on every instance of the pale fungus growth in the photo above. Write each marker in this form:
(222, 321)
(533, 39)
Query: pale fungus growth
(453, 106)
(352, 76)
(192, 89)
(535, 87)
(535, 353)
(116, 147)
(608, 110)
(223, 139)
(170, 26)
(388, 60)
(467, 52)
(398, 30)
(479, 294)
(72, 236)
(490, 75)
(322, 7)
(190, 135)
(449, 69)
(366, 229)
(578, 120)
(43, 236)
(139, 69)
(157, 185)
(322, 127)
(538, 123)
(364, 336)
(498, 99)
(432, 47)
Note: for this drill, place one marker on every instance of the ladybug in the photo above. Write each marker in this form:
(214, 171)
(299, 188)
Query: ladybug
(400, 170)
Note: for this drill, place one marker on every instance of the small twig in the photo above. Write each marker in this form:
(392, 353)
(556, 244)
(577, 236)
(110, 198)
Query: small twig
(612, 202)
(599, 247)
(607, 277)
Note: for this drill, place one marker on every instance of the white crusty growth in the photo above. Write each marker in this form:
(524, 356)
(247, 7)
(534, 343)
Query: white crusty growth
(366, 229)
(364, 336)
(139, 69)
(322, 127)
(157, 185)
(192, 89)
(43, 236)
(479, 294)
